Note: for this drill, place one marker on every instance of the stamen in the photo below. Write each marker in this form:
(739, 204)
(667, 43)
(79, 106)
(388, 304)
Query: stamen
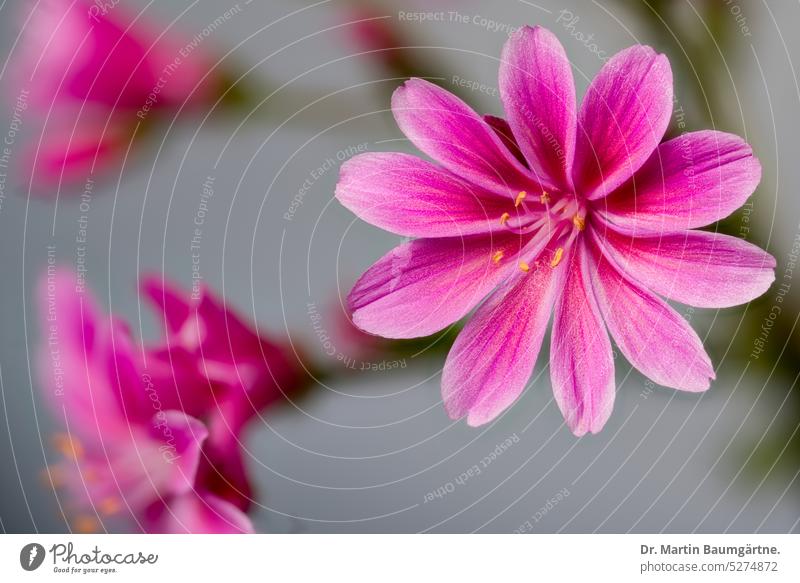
(524, 267)
(497, 257)
(545, 198)
(557, 257)
(520, 197)
(579, 222)
(109, 506)
(504, 217)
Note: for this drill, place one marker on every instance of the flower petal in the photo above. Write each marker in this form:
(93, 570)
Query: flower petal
(70, 54)
(175, 308)
(86, 361)
(414, 198)
(197, 513)
(503, 131)
(651, 335)
(581, 360)
(494, 355)
(707, 270)
(172, 455)
(425, 285)
(690, 181)
(450, 132)
(76, 145)
(538, 95)
(139, 465)
(75, 51)
(624, 115)
(223, 470)
(69, 317)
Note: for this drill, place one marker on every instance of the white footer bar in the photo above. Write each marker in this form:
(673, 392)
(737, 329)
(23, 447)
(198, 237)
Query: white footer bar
(389, 558)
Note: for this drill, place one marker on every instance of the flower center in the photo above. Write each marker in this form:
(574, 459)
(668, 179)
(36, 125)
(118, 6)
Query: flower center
(554, 221)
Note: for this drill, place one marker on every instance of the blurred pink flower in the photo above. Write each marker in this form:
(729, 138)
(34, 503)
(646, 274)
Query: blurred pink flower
(161, 447)
(583, 214)
(213, 361)
(373, 33)
(382, 36)
(94, 74)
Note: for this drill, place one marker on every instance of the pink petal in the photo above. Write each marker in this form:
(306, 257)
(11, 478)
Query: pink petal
(119, 363)
(204, 321)
(142, 464)
(77, 358)
(198, 80)
(581, 360)
(538, 94)
(197, 513)
(177, 375)
(68, 312)
(494, 355)
(690, 181)
(69, 54)
(624, 115)
(447, 130)
(503, 131)
(173, 304)
(228, 339)
(212, 358)
(74, 146)
(223, 470)
(707, 270)
(177, 439)
(425, 285)
(651, 335)
(74, 51)
(411, 197)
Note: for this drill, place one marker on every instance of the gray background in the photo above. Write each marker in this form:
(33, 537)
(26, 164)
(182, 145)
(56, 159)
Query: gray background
(360, 455)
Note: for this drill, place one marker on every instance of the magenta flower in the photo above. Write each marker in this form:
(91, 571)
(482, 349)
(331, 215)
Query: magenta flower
(162, 449)
(578, 213)
(371, 31)
(213, 361)
(95, 73)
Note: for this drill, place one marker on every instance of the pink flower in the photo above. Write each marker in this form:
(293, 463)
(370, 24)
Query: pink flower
(581, 214)
(95, 74)
(372, 32)
(213, 361)
(138, 443)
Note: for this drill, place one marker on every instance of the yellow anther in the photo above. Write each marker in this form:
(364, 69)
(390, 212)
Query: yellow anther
(504, 217)
(520, 197)
(557, 257)
(545, 198)
(68, 446)
(497, 257)
(524, 267)
(579, 222)
(109, 506)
